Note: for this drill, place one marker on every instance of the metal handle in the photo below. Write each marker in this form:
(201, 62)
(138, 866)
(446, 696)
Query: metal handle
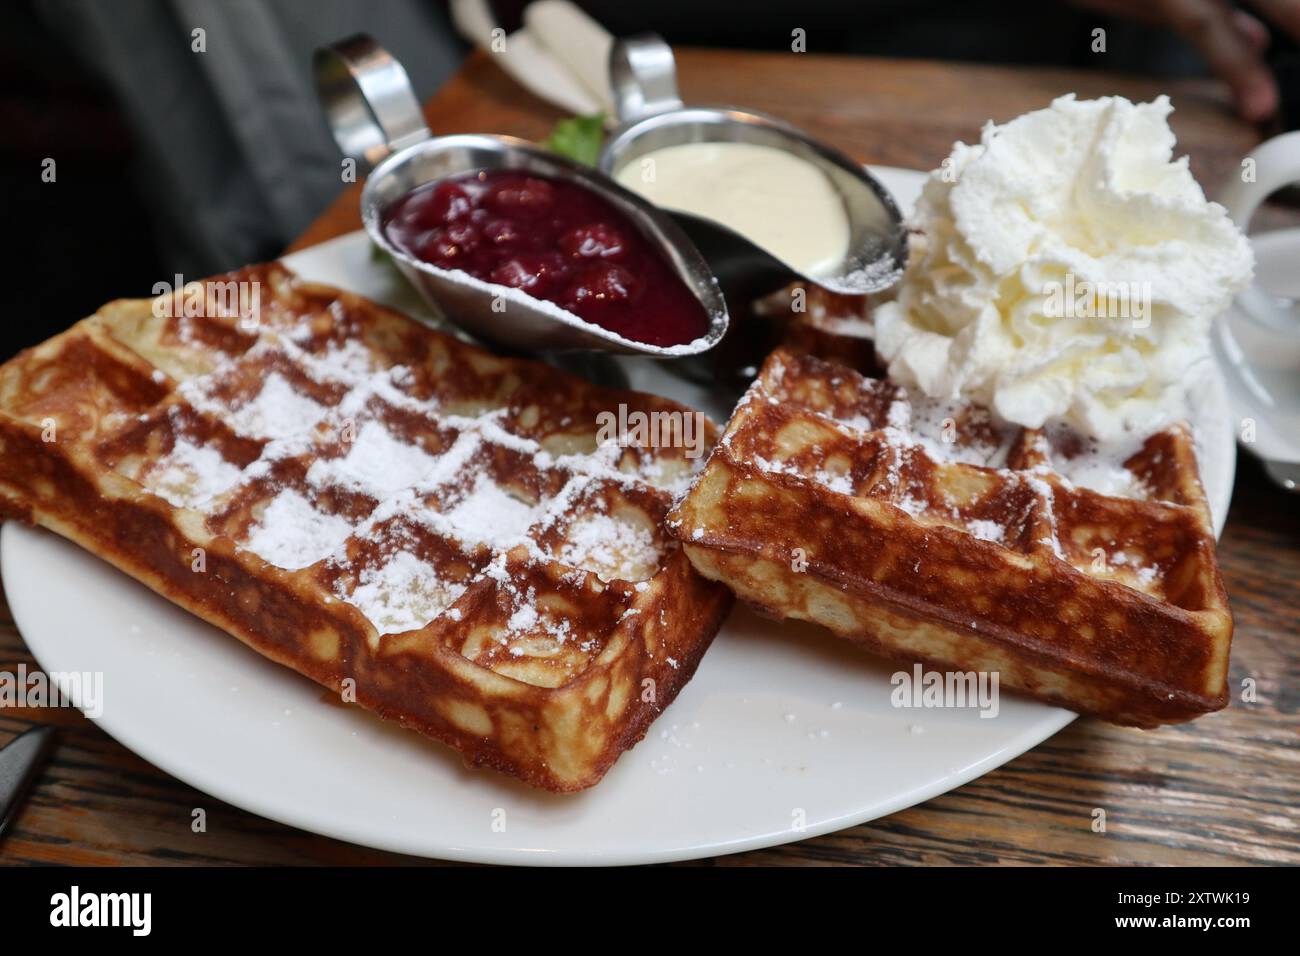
(643, 77)
(368, 101)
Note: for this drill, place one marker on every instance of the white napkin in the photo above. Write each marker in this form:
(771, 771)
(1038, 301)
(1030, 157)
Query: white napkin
(560, 54)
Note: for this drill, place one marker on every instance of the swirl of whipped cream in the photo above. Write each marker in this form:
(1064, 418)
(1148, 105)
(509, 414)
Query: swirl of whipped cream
(1068, 270)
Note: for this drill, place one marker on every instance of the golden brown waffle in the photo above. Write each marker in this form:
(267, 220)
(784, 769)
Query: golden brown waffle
(816, 321)
(429, 529)
(832, 498)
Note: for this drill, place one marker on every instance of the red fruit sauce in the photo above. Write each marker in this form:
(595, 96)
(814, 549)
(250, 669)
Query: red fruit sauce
(553, 240)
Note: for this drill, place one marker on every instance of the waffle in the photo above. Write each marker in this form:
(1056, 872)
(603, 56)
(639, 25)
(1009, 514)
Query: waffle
(803, 304)
(816, 321)
(435, 532)
(928, 534)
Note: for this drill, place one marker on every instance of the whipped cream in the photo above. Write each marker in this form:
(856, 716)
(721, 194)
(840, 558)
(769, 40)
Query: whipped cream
(1068, 270)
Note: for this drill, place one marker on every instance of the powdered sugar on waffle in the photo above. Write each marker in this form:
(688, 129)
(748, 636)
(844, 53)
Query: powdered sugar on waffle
(491, 515)
(612, 547)
(525, 619)
(376, 464)
(835, 481)
(1044, 491)
(402, 594)
(278, 410)
(1089, 463)
(935, 426)
(987, 530)
(292, 534)
(954, 433)
(352, 365)
(1144, 573)
(191, 475)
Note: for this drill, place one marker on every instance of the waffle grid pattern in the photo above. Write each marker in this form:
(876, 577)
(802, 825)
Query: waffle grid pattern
(833, 497)
(440, 505)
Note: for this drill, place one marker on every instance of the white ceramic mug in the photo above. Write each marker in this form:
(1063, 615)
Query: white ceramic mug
(1273, 165)
(1258, 342)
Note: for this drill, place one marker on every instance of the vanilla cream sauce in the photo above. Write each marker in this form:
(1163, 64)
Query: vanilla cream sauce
(778, 201)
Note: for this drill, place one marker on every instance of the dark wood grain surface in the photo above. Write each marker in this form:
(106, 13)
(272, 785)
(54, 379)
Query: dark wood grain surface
(1222, 790)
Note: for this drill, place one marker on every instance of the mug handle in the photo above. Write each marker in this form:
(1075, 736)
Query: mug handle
(1276, 164)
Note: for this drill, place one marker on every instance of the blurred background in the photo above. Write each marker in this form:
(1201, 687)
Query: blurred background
(169, 160)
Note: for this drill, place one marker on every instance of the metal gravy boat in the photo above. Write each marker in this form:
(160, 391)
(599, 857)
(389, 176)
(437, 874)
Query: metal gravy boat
(377, 122)
(652, 116)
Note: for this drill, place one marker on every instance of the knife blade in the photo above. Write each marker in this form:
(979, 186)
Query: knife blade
(20, 760)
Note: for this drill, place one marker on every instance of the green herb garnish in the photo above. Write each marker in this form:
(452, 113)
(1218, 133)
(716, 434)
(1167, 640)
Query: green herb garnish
(578, 137)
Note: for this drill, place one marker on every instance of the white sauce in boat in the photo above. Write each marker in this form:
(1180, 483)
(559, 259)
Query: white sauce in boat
(780, 202)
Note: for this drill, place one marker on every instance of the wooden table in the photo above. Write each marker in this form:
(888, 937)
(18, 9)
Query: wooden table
(1222, 790)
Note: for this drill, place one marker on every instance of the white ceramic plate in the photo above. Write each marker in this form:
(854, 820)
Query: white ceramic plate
(784, 733)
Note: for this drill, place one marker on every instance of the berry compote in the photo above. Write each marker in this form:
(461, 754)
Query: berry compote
(553, 240)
